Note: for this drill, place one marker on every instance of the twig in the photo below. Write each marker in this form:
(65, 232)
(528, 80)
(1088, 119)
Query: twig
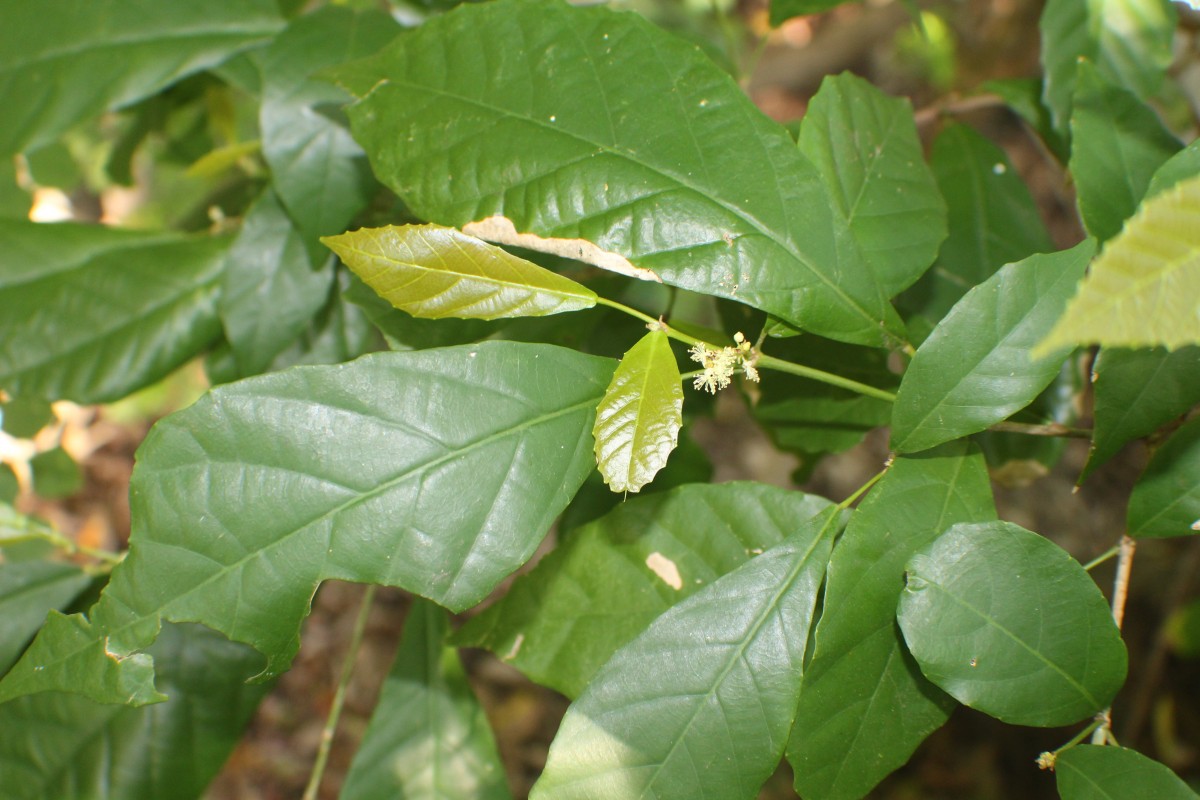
(339, 695)
(1139, 708)
(1047, 429)
(1120, 591)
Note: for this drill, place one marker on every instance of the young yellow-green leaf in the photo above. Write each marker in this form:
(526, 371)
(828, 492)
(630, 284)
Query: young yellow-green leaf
(1144, 289)
(1006, 622)
(638, 421)
(1166, 499)
(1090, 772)
(432, 271)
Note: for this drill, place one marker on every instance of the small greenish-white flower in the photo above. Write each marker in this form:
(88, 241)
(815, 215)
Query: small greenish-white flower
(719, 365)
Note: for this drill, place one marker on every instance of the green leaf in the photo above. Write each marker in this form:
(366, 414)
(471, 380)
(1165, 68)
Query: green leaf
(1009, 624)
(638, 421)
(319, 172)
(28, 589)
(433, 272)
(975, 369)
(92, 314)
(270, 290)
(783, 10)
(1024, 97)
(62, 62)
(865, 146)
(1166, 499)
(55, 474)
(864, 705)
(595, 92)
(699, 705)
(428, 735)
(437, 471)
(23, 417)
(1143, 289)
(1178, 168)
(1118, 143)
(611, 578)
(1129, 41)
(1137, 392)
(340, 331)
(1091, 772)
(70, 748)
(992, 220)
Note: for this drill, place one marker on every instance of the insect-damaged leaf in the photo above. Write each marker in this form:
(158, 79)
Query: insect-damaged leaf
(437, 471)
(432, 271)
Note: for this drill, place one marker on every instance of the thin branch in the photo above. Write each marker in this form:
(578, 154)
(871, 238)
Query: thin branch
(1125, 552)
(339, 695)
(1046, 429)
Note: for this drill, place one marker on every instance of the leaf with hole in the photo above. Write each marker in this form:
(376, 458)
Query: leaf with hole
(437, 471)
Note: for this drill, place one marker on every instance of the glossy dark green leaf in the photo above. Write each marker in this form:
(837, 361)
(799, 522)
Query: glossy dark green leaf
(1166, 499)
(339, 332)
(1006, 622)
(864, 705)
(1129, 41)
(638, 420)
(1118, 143)
(319, 172)
(61, 61)
(609, 579)
(433, 272)
(975, 369)
(91, 314)
(592, 92)
(992, 220)
(1136, 393)
(437, 471)
(1090, 772)
(828, 424)
(71, 748)
(865, 146)
(428, 735)
(699, 705)
(29, 589)
(270, 290)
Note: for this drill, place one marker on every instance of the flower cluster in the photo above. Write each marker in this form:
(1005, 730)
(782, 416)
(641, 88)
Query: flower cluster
(719, 365)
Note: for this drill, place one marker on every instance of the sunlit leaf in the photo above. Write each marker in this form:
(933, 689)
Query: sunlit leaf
(91, 314)
(434, 272)
(609, 579)
(1144, 289)
(1129, 41)
(61, 62)
(1166, 499)
(1006, 622)
(975, 369)
(1091, 772)
(428, 735)
(603, 129)
(437, 471)
(638, 421)
(699, 705)
(864, 704)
